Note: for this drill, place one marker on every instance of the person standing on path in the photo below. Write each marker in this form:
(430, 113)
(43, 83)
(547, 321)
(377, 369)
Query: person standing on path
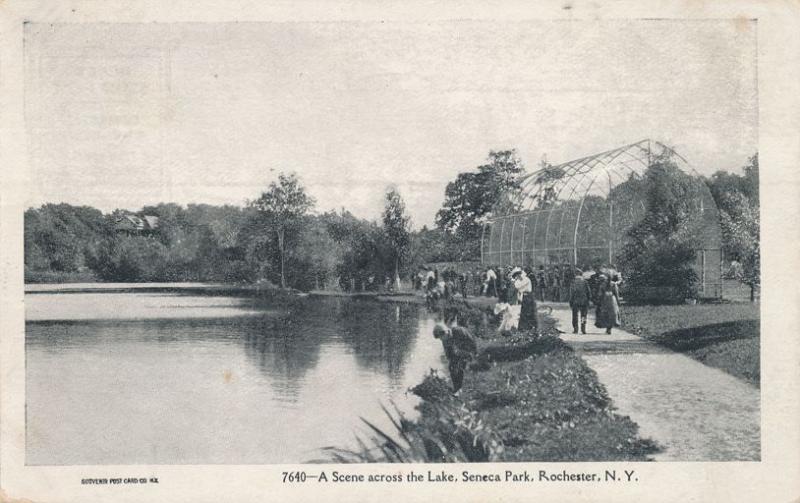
(541, 283)
(460, 348)
(524, 288)
(491, 283)
(579, 296)
(608, 311)
(557, 282)
(466, 283)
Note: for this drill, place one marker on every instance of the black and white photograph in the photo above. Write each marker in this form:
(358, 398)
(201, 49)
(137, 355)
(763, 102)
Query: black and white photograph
(390, 241)
(379, 242)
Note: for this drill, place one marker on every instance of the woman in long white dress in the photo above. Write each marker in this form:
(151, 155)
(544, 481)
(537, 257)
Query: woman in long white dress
(524, 287)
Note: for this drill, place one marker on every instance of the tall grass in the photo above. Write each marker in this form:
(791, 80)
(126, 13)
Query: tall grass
(459, 437)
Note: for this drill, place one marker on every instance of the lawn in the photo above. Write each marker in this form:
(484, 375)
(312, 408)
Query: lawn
(724, 336)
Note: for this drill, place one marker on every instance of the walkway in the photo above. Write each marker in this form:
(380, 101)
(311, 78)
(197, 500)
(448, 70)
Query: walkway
(696, 412)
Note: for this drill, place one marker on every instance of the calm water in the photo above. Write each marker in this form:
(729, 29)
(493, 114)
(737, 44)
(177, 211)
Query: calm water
(123, 378)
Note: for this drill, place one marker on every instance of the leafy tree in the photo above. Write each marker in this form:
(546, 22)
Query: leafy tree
(473, 196)
(58, 236)
(281, 210)
(660, 249)
(312, 264)
(395, 226)
(737, 198)
(131, 259)
(362, 248)
(741, 234)
(434, 245)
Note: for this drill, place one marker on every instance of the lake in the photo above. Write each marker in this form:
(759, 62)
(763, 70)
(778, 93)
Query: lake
(170, 378)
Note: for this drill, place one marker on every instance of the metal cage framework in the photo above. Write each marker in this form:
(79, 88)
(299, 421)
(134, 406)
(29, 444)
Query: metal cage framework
(578, 213)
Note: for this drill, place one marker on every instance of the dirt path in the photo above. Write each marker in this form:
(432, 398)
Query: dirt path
(697, 413)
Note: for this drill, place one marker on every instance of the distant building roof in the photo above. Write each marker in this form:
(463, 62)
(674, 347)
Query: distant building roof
(131, 222)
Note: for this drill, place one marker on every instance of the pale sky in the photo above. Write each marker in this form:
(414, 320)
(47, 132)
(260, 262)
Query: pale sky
(120, 116)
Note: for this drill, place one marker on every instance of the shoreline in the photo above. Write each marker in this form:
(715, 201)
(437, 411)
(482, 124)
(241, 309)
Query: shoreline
(406, 297)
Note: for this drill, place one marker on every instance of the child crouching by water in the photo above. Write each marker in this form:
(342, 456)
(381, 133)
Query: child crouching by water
(460, 348)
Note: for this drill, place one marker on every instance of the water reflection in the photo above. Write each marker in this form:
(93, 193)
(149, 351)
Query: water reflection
(307, 368)
(285, 347)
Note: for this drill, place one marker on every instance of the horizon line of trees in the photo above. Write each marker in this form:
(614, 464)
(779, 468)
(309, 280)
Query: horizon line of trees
(276, 239)
(279, 238)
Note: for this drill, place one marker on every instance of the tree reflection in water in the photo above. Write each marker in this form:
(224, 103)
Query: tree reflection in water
(284, 342)
(287, 346)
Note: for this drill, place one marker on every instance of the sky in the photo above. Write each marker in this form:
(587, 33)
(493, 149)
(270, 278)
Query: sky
(125, 115)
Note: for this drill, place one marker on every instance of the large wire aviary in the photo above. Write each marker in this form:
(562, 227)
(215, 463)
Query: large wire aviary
(579, 212)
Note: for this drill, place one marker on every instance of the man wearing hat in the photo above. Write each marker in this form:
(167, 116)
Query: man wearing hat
(579, 296)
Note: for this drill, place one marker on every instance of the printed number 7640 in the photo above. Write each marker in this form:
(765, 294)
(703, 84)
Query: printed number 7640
(294, 476)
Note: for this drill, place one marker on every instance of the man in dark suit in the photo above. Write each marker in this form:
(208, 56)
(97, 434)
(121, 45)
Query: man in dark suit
(579, 296)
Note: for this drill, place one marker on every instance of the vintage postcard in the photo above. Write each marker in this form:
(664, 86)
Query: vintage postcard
(350, 251)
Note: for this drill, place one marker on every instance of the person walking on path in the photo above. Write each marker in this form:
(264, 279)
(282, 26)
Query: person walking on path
(608, 311)
(579, 296)
(524, 288)
(460, 348)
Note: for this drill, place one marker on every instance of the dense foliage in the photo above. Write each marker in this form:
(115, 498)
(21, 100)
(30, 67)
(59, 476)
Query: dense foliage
(276, 239)
(396, 229)
(473, 196)
(660, 248)
(279, 239)
(280, 213)
(737, 198)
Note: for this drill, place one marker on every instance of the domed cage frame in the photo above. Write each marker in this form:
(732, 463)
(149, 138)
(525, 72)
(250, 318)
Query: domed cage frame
(576, 213)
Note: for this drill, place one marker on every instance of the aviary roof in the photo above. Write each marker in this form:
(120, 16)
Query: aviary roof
(596, 174)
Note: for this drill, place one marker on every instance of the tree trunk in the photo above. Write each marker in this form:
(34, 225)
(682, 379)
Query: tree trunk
(397, 273)
(280, 250)
(752, 293)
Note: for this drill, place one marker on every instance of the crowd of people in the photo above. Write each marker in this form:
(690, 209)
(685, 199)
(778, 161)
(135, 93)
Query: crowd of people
(517, 290)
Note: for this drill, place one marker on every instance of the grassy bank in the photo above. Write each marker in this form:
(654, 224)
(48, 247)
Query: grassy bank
(527, 397)
(724, 336)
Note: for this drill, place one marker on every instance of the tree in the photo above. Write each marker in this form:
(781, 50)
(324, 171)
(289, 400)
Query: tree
(473, 196)
(737, 198)
(432, 245)
(741, 235)
(362, 247)
(281, 210)
(395, 226)
(660, 249)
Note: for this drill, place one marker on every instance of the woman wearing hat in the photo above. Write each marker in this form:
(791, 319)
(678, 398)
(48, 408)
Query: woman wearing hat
(524, 288)
(608, 306)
